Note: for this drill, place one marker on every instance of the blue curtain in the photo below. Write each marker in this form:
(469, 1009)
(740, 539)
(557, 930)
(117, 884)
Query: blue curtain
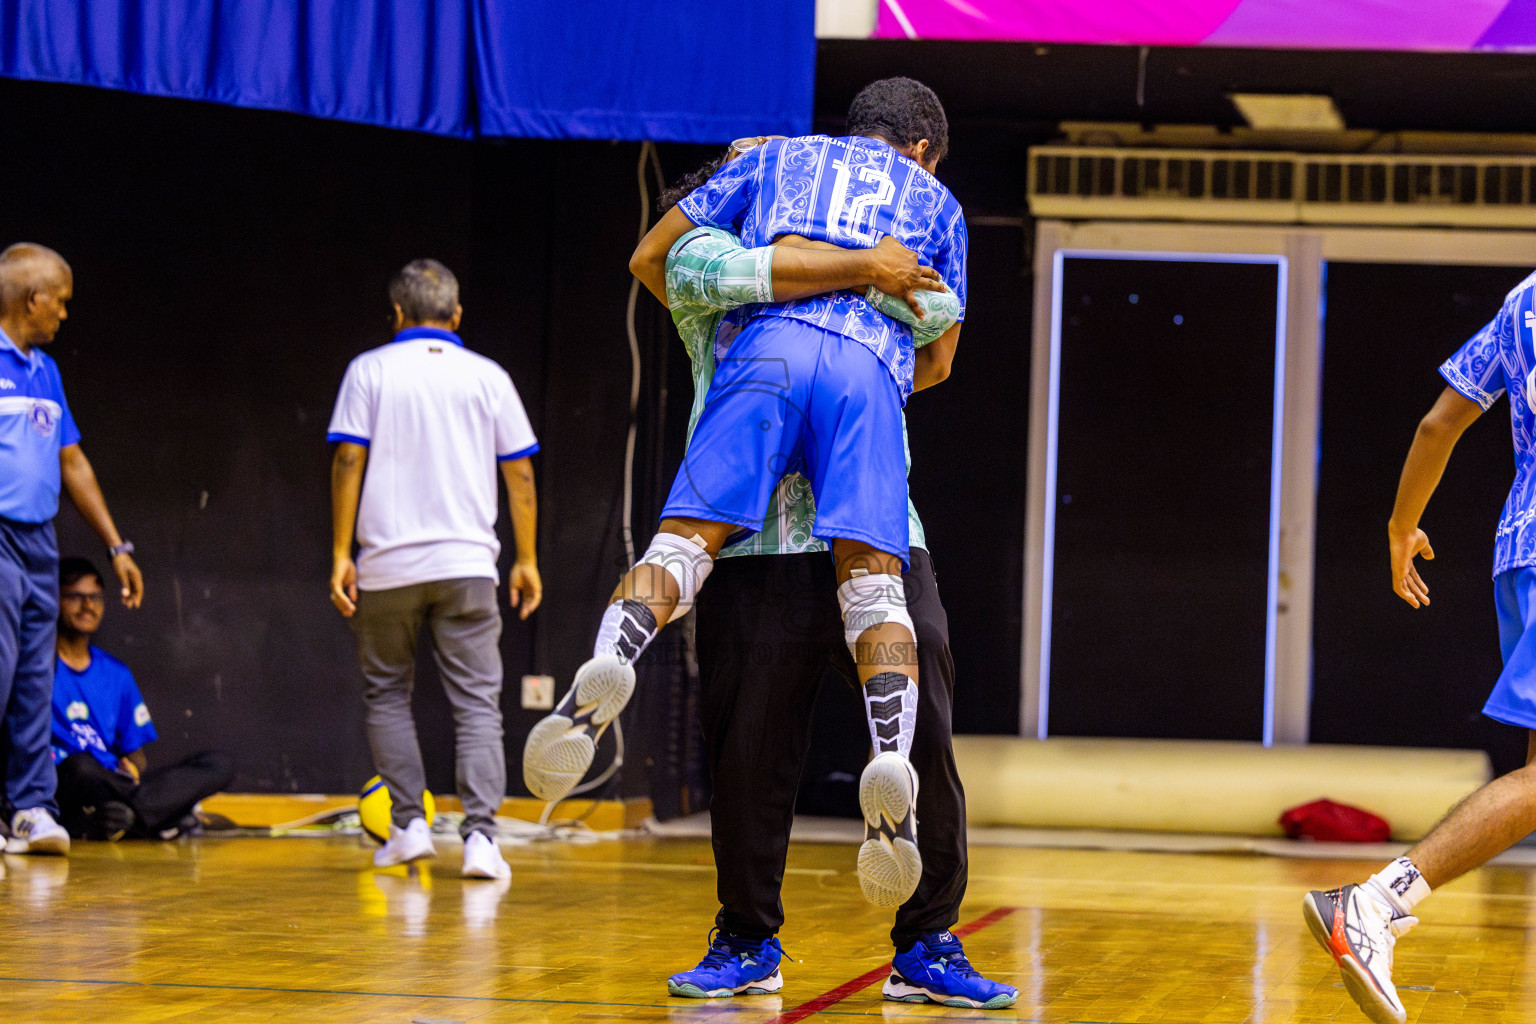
(684, 70)
(668, 70)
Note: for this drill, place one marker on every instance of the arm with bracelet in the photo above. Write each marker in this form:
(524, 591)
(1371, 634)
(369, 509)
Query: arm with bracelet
(708, 270)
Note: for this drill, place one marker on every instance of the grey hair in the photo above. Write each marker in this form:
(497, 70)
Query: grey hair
(425, 291)
(27, 268)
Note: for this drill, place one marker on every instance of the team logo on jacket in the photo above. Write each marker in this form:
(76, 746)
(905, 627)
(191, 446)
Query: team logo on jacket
(141, 716)
(77, 711)
(43, 418)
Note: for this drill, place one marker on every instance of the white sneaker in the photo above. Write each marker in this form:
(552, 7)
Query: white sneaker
(482, 858)
(560, 746)
(889, 864)
(414, 842)
(1358, 931)
(35, 831)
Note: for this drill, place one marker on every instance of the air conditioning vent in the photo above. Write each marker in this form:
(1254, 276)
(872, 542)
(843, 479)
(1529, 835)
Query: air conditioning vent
(1222, 185)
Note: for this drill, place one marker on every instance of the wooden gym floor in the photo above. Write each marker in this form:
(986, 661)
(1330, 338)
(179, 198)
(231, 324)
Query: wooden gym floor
(237, 930)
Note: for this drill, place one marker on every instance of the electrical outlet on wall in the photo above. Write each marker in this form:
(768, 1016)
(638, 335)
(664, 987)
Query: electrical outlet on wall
(538, 693)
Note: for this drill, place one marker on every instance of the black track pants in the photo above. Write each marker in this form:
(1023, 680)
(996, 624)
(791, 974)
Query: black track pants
(163, 797)
(768, 628)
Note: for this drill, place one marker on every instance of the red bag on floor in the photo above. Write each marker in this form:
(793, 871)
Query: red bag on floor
(1329, 822)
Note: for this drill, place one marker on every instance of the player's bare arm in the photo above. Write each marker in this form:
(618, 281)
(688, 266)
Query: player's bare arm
(1433, 443)
(933, 360)
(346, 487)
(525, 586)
(80, 483)
(649, 261)
(803, 267)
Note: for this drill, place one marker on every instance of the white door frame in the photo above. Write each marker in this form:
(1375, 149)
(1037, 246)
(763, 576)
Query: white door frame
(1301, 254)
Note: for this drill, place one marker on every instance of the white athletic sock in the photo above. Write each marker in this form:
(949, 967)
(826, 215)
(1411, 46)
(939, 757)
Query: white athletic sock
(1400, 885)
(627, 630)
(890, 704)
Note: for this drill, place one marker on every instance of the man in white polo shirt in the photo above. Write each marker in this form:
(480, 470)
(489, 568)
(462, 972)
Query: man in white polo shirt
(431, 421)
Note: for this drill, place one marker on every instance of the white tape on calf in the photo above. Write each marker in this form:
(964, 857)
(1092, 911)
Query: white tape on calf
(685, 560)
(872, 600)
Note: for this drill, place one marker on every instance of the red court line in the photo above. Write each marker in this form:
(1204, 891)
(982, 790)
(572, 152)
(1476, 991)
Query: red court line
(863, 981)
(982, 922)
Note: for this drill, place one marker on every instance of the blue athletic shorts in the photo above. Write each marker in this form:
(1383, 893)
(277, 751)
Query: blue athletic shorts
(788, 396)
(1513, 700)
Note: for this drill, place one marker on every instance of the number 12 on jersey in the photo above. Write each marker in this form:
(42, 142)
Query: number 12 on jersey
(851, 218)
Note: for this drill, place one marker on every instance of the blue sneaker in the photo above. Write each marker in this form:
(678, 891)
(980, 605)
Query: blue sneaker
(935, 970)
(733, 967)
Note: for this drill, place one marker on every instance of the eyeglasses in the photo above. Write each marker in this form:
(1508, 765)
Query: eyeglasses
(751, 142)
(97, 598)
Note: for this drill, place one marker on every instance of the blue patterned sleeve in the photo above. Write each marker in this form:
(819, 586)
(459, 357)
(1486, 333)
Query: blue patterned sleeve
(722, 201)
(1476, 371)
(950, 259)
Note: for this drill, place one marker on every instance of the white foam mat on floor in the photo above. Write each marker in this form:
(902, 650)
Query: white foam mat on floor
(851, 831)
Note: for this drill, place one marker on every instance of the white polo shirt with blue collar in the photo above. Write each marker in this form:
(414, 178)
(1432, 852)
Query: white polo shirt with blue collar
(436, 419)
(35, 422)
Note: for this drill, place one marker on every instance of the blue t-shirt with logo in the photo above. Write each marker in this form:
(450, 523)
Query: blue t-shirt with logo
(35, 423)
(850, 192)
(1501, 358)
(99, 711)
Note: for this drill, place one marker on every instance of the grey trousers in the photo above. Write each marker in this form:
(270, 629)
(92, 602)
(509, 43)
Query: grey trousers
(466, 626)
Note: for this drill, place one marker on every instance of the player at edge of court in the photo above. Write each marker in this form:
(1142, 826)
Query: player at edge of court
(816, 383)
(1359, 924)
(40, 455)
(709, 273)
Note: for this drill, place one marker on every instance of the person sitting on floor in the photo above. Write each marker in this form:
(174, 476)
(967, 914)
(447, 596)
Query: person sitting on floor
(100, 728)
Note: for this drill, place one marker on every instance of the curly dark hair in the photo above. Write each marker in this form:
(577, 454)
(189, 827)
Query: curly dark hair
(674, 194)
(72, 570)
(902, 111)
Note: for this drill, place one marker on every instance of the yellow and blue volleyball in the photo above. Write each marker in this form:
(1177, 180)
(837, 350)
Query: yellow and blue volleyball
(373, 806)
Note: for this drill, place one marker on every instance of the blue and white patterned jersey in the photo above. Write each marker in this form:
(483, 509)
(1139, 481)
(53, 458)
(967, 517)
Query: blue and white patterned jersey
(1502, 357)
(849, 192)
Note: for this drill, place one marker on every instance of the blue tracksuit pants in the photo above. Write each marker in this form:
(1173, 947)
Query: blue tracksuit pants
(29, 619)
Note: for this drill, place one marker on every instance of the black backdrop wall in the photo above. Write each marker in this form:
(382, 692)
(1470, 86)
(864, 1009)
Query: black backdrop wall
(228, 264)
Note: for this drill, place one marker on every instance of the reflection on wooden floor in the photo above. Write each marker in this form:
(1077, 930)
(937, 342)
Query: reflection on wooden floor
(299, 930)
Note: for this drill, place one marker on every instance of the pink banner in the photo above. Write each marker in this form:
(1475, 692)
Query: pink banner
(1303, 24)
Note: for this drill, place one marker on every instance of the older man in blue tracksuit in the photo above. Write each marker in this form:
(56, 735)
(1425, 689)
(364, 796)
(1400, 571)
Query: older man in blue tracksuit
(39, 455)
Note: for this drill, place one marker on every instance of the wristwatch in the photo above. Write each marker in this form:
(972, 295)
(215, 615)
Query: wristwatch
(125, 548)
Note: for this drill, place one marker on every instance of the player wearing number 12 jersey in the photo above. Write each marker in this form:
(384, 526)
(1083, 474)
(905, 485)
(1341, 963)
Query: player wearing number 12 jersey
(849, 192)
(812, 384)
